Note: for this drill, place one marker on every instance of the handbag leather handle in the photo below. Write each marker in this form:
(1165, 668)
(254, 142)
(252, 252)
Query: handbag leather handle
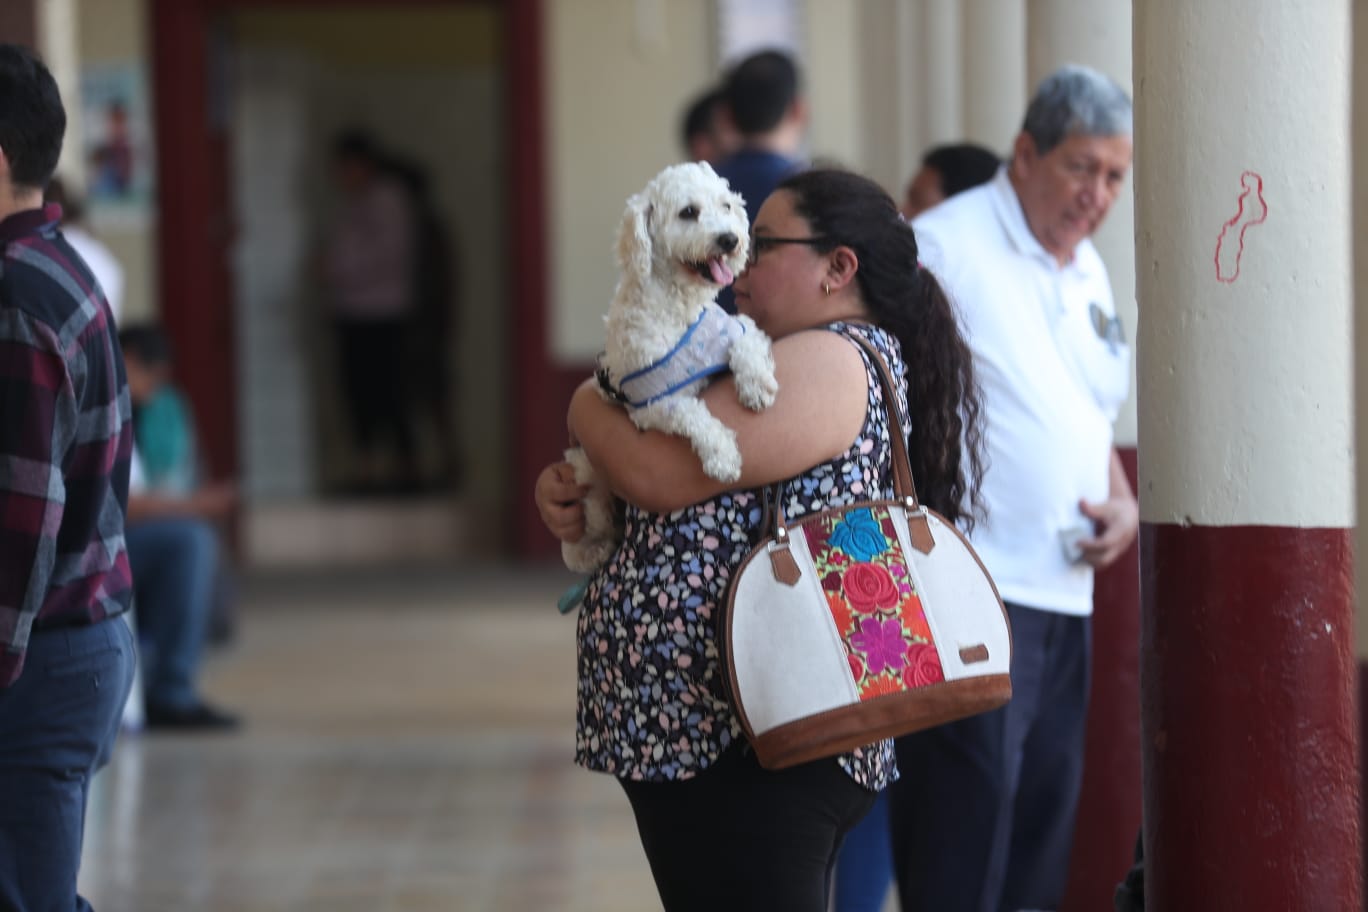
(903, 484)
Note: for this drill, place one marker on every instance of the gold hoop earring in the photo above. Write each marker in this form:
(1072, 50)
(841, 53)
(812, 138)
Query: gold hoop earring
(826, 289)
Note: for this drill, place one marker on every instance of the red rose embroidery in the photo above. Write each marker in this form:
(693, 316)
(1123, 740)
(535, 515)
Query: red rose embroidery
(869, 587)
(923, 666)
(856, 667)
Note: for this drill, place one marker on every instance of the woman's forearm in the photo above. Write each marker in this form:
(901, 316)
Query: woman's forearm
(817, 414)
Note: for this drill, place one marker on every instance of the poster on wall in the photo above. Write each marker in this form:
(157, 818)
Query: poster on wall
(118, 143)
(745, 26)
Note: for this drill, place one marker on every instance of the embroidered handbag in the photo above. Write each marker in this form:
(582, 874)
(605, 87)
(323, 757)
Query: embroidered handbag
(862, 622)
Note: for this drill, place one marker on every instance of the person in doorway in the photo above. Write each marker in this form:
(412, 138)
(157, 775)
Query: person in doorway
(831, 258)
(764, 97)
(66, 656)
(1035, 306)
(369, 271)
(945, 171)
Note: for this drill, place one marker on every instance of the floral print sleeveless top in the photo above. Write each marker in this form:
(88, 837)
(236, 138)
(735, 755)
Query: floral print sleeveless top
(651, 702)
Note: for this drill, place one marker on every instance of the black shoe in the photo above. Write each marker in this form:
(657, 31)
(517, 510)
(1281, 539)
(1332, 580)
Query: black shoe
(198, 717)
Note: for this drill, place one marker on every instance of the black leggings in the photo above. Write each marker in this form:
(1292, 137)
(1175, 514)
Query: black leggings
(738, 836)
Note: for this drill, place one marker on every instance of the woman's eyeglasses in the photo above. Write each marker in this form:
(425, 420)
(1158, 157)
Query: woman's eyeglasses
(759, 245)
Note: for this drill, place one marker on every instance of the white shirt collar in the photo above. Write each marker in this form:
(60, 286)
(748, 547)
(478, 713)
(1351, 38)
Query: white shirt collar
(1007, 206)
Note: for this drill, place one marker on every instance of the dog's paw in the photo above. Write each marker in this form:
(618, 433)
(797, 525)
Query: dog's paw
(757, 392)
(587, 555)
(722, 465)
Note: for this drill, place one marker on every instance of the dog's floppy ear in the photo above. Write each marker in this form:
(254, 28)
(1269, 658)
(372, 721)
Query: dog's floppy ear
(634, 237)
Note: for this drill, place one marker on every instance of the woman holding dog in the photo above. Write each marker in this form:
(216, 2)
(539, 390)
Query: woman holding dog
(830, 259)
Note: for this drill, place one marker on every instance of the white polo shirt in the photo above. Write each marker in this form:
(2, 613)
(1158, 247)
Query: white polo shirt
(1054, 370)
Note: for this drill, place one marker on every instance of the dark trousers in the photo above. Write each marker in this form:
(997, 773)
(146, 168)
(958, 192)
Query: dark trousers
(57, 727)
(375, 382)
(982, 818)
(174, 561)
(739, 836)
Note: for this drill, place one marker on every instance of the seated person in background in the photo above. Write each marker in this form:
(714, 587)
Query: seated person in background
(173, 553)
(945, 171)
(164, 431)
(161, 417)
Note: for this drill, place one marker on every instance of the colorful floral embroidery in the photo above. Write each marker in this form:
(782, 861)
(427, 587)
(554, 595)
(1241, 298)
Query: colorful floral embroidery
(859, 536)
(873, 604)
(869, 587)
(881, 644)
(923, 666)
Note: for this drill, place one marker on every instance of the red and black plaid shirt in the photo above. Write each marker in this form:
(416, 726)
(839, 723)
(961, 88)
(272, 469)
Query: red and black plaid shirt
(65, 441)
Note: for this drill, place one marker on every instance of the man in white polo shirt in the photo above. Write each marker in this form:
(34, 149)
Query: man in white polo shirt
(983, 815)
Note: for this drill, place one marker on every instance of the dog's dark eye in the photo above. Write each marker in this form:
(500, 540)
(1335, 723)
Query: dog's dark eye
(689, 213)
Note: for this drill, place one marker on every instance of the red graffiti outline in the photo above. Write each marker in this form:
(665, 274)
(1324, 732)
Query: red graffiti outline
(1255, 187)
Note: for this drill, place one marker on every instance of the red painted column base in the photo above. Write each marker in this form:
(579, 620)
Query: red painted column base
(1251, 770)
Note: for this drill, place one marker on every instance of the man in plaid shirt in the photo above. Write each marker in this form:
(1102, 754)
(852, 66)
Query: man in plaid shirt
(66, 658)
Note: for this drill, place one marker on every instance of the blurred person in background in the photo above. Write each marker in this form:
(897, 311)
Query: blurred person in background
(707, 132)
(767, 107)
(1035, 305)
(170, 459)
(947, 170)
(368, 270)
(101, 260)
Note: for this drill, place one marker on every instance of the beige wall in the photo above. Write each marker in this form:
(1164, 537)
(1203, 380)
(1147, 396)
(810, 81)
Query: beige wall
(618, 74)
(115, 31)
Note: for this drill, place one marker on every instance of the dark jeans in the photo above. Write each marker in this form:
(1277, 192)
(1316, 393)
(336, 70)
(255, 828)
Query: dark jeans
(739, 836)
(983, 816)
(57, 727)
(376, 383)
(864, 871)
(174, 562)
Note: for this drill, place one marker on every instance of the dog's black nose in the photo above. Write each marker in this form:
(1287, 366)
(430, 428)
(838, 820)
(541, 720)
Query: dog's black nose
(728, 241)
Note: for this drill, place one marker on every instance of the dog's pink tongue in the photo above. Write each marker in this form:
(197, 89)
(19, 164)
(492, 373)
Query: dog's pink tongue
(720, 273)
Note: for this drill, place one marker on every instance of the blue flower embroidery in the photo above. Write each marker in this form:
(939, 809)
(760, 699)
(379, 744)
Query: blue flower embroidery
(859, 535)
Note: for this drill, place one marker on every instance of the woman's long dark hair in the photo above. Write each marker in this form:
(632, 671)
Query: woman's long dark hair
(945, 445)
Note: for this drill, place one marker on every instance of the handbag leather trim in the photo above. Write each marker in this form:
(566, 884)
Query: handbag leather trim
(786, 569)
(969, 655)
(919, 532)
(841, 730)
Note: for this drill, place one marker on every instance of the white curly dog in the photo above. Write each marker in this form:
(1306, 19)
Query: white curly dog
(683, 238)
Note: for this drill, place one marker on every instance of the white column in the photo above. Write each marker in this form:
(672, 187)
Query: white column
(831, 44)
(939, 48)
(890, 92)
(1247, 445)
(1095, 33)
(59, 43)
(1244, 235)
(994, 68)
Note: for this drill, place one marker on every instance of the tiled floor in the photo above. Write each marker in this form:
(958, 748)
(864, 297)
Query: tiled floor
(408, 747)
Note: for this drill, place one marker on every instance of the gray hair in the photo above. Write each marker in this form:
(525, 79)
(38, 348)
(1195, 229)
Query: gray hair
(1075, 100)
